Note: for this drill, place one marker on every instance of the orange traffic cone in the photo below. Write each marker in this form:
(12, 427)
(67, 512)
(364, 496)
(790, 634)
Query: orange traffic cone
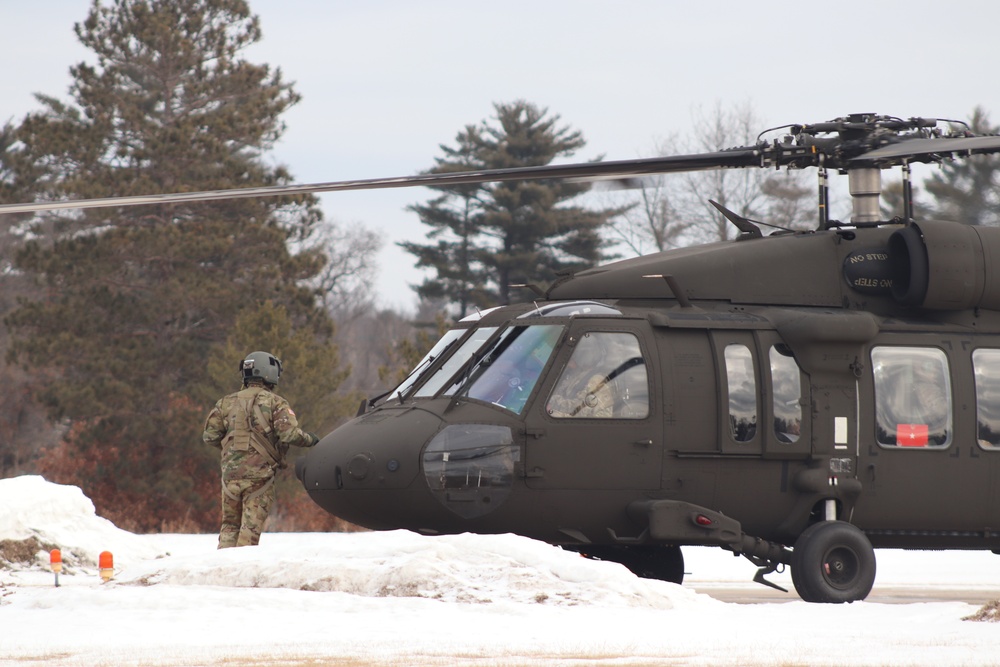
(107, 564)
(55, 562)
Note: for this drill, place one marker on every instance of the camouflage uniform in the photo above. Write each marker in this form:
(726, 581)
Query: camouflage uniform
(591, 400)
(254, 428)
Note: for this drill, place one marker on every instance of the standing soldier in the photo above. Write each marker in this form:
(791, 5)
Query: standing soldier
(254, 428)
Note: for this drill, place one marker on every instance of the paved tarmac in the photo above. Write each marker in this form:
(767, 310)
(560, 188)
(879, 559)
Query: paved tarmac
(758, 594)
(903, 577)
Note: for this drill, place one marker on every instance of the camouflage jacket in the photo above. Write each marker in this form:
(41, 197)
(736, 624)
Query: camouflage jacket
(254, 428)
(584, 401)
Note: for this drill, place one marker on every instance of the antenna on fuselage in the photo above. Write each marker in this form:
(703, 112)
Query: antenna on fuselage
(675, 288)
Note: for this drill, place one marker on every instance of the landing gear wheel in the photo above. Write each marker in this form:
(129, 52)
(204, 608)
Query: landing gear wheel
(833, 561)
(665, 563)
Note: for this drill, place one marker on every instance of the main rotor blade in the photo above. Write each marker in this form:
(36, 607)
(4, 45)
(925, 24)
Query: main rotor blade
(923, 147)
(588, 171)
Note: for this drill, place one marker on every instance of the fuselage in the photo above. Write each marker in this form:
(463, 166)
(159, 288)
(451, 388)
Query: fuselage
(793, 376)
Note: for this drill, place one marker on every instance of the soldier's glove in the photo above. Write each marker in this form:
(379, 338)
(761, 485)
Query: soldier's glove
(313, 439)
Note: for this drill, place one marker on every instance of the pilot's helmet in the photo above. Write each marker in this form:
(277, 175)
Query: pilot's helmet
(590, 354)
(261, 365)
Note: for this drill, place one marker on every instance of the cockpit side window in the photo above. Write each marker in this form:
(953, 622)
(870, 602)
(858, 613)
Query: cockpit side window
(605, 378)
(912, 396)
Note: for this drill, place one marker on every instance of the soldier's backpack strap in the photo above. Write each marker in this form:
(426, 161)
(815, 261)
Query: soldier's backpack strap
(260, 432)
(262, 422)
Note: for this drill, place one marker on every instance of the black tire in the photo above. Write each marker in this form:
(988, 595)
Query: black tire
(833, 562)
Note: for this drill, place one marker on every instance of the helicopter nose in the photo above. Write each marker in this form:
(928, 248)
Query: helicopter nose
(377, 452)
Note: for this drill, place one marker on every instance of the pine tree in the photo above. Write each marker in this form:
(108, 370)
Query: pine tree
(968, 190)
(496, 235)
(454, 217)
(24, 427)
(138, 300)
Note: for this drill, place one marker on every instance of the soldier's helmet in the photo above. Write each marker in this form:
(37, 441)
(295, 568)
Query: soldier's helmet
(261, 365)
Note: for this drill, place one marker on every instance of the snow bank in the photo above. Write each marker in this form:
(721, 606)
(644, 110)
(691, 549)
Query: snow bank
(395, 598)
(455, 568)
(452, 568)
(62, 517)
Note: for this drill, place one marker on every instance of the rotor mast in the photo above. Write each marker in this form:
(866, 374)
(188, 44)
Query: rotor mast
(865, 185)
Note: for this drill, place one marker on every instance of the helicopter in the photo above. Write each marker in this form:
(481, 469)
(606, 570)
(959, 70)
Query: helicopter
(799, 398)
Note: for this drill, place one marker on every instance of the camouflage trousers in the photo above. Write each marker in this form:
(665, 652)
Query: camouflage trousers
(245, 506)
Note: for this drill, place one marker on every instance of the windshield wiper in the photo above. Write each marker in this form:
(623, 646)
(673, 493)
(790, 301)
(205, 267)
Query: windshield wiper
(417, 374)
(465, 372)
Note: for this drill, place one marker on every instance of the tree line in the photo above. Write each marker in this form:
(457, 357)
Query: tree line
(122, 326)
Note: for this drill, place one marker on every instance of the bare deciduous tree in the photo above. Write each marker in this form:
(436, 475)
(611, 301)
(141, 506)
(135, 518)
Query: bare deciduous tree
(652, 223)
(345, 282)
(674, 210)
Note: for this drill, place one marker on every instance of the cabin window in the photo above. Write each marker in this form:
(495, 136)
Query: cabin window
(742, 392)
(786, 394)
(912, 397)
(605, 378)
(986, 364)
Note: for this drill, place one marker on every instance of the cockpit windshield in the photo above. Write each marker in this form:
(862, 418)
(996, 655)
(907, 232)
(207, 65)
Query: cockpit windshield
(500, 367)
(457, 360)
(474, 361)
(439, 348)
(507, 375)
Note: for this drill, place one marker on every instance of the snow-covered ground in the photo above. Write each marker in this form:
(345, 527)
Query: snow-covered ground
(398, 598)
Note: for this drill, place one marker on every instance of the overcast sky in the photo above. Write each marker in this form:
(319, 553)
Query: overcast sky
(384, 83)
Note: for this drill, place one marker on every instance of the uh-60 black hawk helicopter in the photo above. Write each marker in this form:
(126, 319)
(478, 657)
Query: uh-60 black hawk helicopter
(798, 398)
